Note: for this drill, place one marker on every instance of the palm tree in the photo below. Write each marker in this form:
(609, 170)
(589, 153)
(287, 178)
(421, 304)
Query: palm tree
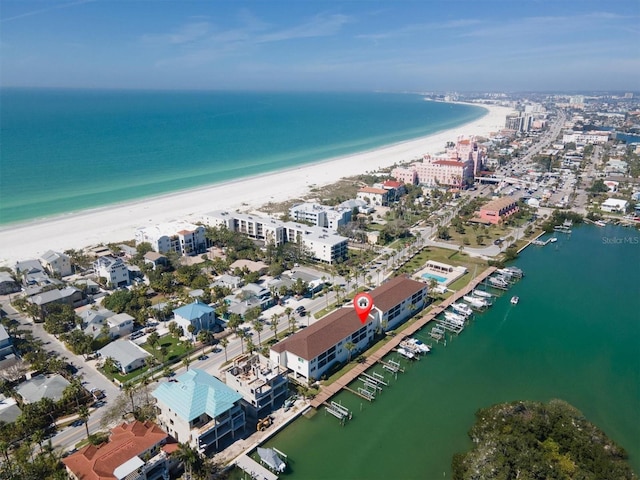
(163, 352)
(129, 389)
(274, 325)
(187, 456)
(153, 339)
(292, 324)
(38, 437)
(186, 361)
(83, 415)
(258, 327)
(242, 335)
(110, 365)
(288, 311)
(225, 343)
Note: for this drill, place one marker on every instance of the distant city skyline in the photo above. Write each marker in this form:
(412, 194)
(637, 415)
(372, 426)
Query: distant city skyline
(426, 45)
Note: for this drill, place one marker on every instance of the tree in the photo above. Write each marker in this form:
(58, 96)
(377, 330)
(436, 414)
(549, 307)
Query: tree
(242, 335)
(191, 328)
(234, 322)
(288, 311)
(258, 327)
(83, 415)
(274, 325)
(205, 337)
(225, 343)
(186, 361)
(110, 365)
(153, 339)
(190, 459)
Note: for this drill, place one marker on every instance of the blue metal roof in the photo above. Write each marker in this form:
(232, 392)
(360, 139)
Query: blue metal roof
(196, 392)
(193, 311)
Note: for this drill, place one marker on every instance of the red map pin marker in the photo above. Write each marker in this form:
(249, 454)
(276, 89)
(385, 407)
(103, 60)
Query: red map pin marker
(363, 303)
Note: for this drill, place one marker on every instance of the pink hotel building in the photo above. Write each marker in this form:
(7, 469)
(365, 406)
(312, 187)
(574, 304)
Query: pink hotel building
(459, 166)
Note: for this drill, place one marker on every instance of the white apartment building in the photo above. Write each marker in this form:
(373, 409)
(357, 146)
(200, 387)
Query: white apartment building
(322, 244)
(113, 269)
(312, 351)
(181, 237)
(320, 215)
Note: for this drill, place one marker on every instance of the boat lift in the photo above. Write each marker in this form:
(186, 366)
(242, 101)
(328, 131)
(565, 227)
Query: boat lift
(340, 412)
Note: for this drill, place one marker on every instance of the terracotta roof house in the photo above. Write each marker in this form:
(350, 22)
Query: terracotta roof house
(311, 352)
(135, 451)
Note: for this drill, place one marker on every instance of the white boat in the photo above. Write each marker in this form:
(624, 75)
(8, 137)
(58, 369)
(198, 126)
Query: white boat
(474, 301)
(498, 282)
(553, 239)
(405, 353)
(482, 293)
(600, 223)
(271, 459)
(514, 271)
(421, 346)
(454, 317)
(462, 309)
(515, 300)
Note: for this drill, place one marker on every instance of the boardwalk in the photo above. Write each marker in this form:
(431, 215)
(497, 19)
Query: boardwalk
(330, 390)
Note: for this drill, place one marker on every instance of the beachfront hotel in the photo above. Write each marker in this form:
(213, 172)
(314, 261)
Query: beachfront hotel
(321, 244)
(455, 169)
(181, 237)
(199, 409)
(312, 351)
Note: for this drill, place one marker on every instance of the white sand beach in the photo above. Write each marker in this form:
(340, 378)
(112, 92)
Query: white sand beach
(117, 223)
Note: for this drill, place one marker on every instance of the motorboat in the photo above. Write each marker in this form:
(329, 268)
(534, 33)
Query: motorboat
(600, 223)
(553, 239)
(474, 301)
(406, 353)
(455, 318)
(499, 282)
(462, 309)
(515, 300)
(515, 271)
(482, 293)
(421, 346)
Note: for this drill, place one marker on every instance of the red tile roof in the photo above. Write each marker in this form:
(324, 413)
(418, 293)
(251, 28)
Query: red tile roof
(451, 163)
(372, 190)
(322, 335)
(126, 441)
(392, 184)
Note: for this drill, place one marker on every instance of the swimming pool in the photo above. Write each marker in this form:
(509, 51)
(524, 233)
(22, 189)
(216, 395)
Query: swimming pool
(437, 278)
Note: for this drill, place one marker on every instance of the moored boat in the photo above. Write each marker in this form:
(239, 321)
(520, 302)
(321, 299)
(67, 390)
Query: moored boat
(515, 300)
(482, 293)
(421, 346)
(462, 309)
(405, 353)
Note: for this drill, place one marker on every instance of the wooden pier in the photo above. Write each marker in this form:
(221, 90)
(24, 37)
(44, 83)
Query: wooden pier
(326, 392)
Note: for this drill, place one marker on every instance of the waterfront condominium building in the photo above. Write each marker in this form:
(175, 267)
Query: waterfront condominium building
(321, 244)
(181, 237)
(199, 409)
(313, 350)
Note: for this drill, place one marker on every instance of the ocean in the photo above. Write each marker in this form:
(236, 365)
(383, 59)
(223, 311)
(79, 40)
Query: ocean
(68, 150)
(574, 335)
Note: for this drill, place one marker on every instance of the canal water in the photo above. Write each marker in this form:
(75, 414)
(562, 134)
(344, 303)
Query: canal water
(574, 336)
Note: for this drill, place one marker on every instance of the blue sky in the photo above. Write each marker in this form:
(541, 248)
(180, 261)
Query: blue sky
(423, 45)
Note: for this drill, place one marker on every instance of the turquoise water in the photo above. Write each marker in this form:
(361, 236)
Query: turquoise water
(437, 278)
(68, 150)
(574, 335)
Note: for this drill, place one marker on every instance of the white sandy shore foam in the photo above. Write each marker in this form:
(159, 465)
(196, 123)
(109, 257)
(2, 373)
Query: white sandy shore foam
(117, 223)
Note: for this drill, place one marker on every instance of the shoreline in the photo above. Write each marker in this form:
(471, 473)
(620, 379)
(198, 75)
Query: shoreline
(117, 222)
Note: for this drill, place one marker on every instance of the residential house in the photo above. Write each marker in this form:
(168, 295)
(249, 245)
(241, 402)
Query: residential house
(200, 315)
(113, 269)
(32, 273)
(127, 355)
(497, 210)
(67, 296)
(42, 386)
(57, 263)
(373, 196)
(156, 259)
(6, 345)
(262, 384)
(199, 409)
(8, 285)
(312, 351)
(613, 205)
(181, 237)
(134, 451)
(229, 281)
(9, 409)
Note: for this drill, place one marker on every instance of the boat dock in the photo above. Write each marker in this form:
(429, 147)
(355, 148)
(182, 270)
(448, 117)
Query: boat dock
(343, 382)
(254, 469)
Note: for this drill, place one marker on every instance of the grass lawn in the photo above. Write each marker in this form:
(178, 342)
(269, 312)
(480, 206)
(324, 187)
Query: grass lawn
(175, 349)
